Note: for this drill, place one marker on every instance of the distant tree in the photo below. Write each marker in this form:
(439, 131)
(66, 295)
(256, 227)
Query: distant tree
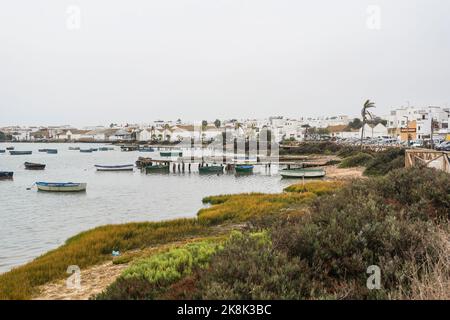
(204, 124)
(366, 116)
(355, 124)
(217, 123)
(376, 121)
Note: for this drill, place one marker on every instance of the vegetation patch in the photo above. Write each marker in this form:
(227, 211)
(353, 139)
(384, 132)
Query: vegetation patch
(242, 207)
(149, 277)
(316, 187)
(385, 161)
(358, 160)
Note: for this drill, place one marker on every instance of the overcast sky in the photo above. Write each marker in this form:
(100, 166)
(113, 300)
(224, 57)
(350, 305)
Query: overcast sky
(140, 60)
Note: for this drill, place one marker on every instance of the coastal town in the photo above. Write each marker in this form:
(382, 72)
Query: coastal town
(414, 125)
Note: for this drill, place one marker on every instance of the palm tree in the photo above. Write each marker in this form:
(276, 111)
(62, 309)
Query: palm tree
(365, 114)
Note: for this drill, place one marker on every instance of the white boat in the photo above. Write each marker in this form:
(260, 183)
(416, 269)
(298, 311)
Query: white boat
(124, 167)
(61, 186)
(302, 173)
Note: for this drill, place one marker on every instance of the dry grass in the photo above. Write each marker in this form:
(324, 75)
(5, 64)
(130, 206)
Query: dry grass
(243, 207)
(317, 187)
(430, 281)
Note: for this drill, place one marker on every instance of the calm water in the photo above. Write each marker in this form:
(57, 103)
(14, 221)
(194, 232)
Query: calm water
(33, 222)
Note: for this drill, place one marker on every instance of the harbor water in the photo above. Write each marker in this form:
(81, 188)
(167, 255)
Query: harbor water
(32, 222)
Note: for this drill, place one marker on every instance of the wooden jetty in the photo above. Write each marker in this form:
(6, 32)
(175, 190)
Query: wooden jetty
(428, 158)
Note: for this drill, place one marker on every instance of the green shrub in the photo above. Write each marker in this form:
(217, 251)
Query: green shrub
(248, 268)
(313, 148)
(357, 160)
(385, 161)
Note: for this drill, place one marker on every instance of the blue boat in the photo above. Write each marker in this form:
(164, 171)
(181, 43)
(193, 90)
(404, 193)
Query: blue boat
(146, 149)
(244, 168)
(52, 151)
(61, 186)
(2, 151)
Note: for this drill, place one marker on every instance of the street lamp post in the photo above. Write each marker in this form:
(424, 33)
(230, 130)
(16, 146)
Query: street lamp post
(407, 130)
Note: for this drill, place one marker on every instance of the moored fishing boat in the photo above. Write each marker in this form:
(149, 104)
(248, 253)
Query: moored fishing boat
(2, 151)
(146, 149)
(5, 175)
(61, 186)
(34, 166)
(94, 149)
(157, 168)
(105, 148)
(42, 150)
(9, 148)
(19, 153)
(124, 167)
(211, 169)
(302, 173)
(74, 148)
(52, 151)
(243, 168)
(86, 150)
(171, 154)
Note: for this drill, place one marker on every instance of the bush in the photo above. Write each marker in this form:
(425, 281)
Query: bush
(312, 148)
(248, 268)
(368, 223)
(385, 161)
(357, 160)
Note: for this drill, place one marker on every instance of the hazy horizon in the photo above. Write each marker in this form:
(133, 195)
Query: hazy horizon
(86, 63)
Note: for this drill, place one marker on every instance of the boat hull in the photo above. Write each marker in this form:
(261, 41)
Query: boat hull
(171, 154)
(128, 167)
(211, 170)
(6, 175)
(61, 187)
(244, 169)
(20, 153)
(156, 169)
(302, 173)
(34, 166)
(52, 151)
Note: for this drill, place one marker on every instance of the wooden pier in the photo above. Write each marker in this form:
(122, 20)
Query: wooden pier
(428, 158)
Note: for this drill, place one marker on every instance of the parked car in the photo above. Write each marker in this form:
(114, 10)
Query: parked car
(417, 144)
(444, 146)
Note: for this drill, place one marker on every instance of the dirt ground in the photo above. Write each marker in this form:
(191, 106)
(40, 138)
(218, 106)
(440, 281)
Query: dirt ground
(93, 281)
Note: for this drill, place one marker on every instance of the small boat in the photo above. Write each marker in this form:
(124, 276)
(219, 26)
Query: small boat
(34, 166)
(74, 148)
(157, 168)
(5, 175)
(2, 151)
(105, 148)
(94, 149)
(86, 150)
(243, 168)
(52, 151)
(171, 154)
(10, 148)
(19, 153)
(211, 169)
(42, 150)
(124, 167)
(146, 149)
(302, 173)
(61, 186)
